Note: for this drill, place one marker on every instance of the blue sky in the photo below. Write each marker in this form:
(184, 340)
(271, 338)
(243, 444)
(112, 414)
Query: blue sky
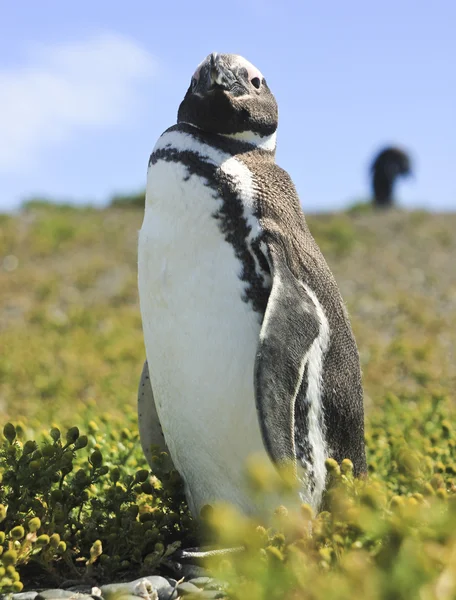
(87, 87)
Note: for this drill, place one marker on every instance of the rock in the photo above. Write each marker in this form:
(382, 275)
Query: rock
(52, 594)
(201, 581)
(150, 588)
(153, 587)
(57, 594)
(85, 588)
(188, 588)
(130, 591)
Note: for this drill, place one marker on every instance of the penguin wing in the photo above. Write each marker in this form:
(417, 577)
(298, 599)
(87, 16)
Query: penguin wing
(150, 430)
(290, 326)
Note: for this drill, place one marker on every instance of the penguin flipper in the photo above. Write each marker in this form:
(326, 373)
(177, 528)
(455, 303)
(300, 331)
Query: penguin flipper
(150, 430)
(290, 326)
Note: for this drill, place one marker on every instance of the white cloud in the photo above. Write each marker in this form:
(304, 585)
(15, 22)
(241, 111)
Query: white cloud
(63, 88)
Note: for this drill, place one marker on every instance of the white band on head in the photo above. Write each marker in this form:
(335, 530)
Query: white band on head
(252, 71)
(238, 61)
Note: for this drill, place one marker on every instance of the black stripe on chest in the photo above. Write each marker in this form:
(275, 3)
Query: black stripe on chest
(224, 143)
(231, 221)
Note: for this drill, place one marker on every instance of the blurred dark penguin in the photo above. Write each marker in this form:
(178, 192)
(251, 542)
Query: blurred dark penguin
(389, 164)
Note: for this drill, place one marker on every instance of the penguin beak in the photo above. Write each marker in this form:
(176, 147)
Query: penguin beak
(214, 75)
(219, 76)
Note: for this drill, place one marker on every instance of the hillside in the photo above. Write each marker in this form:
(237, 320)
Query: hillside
(70, 327)
(72, 352)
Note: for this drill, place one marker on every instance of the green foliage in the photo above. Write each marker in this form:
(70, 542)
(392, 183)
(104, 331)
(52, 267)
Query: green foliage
(360, 207)
(76, 505)
(390, 536)
(335, 233)
(70, 322)
(128, 200)
(68, 315)
(38, 203)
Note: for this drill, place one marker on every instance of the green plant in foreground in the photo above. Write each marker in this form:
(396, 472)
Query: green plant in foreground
(65, 512)
(392, 535)
(369, 542)
(75, 506)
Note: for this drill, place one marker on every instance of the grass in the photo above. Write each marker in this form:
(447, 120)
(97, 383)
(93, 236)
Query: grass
(70, 324)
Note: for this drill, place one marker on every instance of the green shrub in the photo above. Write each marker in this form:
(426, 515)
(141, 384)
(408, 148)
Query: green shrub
(389, 536)
(72, 505)
(361, 207)
(77, 505)
(128, 200)
(335, 234)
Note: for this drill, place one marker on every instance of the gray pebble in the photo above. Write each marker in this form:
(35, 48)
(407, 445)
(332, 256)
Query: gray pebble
(61, 595)
(163, 587)
(153, 587)
(201, 581)
(48, 594)
(188, 588)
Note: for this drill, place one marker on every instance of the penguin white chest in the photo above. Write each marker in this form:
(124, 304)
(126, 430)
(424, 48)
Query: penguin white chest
(201, 337)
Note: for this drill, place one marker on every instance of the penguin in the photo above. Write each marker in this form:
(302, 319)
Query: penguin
(249, 346)
(388, 164)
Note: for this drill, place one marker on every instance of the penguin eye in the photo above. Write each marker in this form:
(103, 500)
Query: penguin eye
(256, 82)
(193, 84)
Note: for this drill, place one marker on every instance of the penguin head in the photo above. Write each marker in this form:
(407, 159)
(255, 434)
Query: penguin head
(228, 95)
(391, 162)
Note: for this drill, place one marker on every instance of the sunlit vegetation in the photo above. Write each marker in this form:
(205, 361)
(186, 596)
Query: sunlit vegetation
(73, 474)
